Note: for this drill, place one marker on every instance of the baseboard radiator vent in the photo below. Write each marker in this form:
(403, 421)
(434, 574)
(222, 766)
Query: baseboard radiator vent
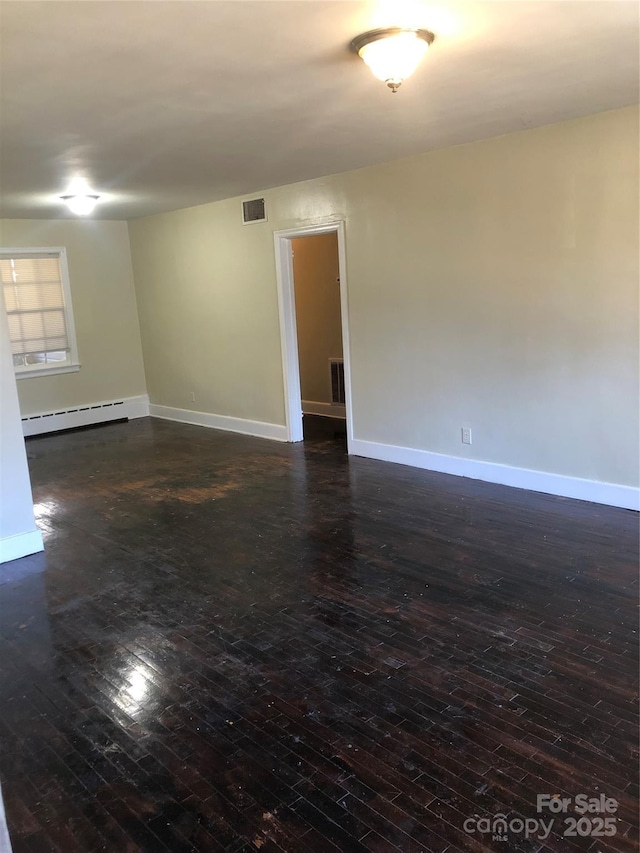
(89, 415)
(336, 371)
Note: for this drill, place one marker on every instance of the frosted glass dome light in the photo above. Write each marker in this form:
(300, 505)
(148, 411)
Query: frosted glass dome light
(393, 54)
(81, 204)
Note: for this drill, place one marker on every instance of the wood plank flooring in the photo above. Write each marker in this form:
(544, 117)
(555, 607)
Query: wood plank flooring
(234, 644)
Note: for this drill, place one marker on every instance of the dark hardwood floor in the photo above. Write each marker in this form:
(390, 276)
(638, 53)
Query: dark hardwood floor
(235, 644)
(317, 428)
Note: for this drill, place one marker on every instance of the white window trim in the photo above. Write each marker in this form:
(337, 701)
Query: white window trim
(48, 369)
(73, 364)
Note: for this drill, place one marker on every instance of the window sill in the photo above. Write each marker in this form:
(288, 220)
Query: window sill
(31, 372)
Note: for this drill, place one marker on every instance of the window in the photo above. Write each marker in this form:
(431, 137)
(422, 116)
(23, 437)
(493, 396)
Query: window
(38, 302)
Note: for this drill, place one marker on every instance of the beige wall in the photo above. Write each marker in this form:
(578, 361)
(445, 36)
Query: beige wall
(492, 285)
(208, 312)
(318, 320)
(104, 308)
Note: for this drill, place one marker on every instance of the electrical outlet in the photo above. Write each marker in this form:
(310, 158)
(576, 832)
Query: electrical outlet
(192, 396)
(466, 435)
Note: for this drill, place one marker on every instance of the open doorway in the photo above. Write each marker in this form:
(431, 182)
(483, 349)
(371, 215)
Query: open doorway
(316, 284)
(314, 327)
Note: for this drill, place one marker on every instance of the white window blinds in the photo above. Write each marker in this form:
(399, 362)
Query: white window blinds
(34, 298)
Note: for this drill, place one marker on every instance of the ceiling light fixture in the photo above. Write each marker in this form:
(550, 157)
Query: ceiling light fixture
(394, 53)
(82, 203)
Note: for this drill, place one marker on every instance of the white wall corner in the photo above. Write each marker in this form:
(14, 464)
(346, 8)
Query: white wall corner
(20, 545)
(610, 494)
(5, 843)
(276, 432)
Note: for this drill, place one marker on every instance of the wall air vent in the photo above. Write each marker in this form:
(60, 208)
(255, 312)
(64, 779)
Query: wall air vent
(336, 366)
(253, 210)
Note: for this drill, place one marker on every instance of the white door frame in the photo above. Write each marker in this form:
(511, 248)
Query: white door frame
(288, 330)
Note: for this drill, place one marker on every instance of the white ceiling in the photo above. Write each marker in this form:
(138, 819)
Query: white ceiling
(162, 105)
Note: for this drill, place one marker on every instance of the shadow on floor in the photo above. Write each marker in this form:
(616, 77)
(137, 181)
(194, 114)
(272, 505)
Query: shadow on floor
(318, 428)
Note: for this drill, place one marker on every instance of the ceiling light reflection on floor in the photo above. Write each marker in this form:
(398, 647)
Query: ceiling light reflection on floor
(137, 695)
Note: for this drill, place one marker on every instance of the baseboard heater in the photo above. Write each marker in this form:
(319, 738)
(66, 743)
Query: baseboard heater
(89, 415)
(336, 374)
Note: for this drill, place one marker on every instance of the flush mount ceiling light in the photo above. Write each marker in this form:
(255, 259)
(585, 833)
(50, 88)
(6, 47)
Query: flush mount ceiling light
(81, 203)
(394, 53)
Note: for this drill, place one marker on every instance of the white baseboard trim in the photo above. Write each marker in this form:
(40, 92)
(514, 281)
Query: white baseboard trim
(20, 545)
(137, 407)
(326, 410)
(611, 494)
(86, 415)
(275, 432)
